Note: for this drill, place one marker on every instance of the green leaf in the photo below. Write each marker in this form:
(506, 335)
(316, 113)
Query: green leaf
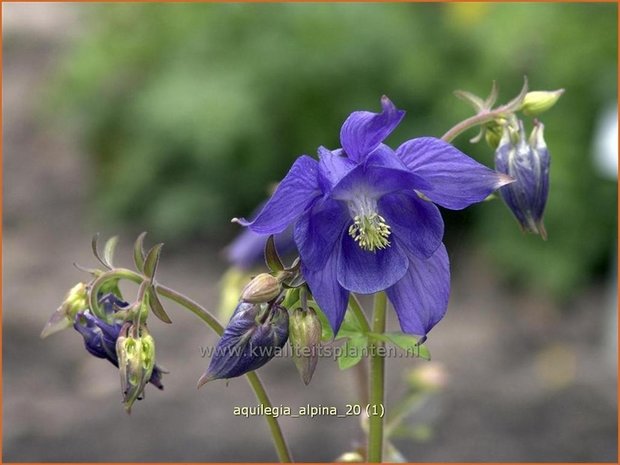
(271, 256)
(291, 299)
(108, 250)
(350, 326)
(138, 252)
(151, 261)
(352, 353)
(95, 248)
(327, 335)
(406, 342)
(156, 307)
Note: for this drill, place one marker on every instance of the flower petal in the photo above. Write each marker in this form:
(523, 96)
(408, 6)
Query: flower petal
(457, 180)
(367, 272)
(333, 167)
(415, 223)
(420, 298)
(382, 174)
(326, 291)
(363, 131)
(293, 195)
(318, 231)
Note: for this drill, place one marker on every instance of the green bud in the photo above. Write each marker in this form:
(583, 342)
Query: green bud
(135, 349)
(305, 337)
(540, 101)
(75, 301)
(262, 289)
(493, 135)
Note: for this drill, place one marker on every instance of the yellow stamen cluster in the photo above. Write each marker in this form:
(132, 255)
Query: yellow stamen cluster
(370, 232)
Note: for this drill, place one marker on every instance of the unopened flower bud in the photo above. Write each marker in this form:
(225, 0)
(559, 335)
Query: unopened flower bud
(537, 102)
(262, 289)
(528, 163)
(101, 337)
(135, 349)
(254, 335)
(305, 336)
(75, 301)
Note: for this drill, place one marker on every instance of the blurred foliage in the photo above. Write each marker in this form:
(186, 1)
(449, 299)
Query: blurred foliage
(191, 110)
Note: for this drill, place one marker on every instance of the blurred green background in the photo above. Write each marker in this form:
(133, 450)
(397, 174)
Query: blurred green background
(173, 118)
(190, 112)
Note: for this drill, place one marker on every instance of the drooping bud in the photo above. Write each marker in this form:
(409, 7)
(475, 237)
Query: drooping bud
(254, 335)
(75, 301)
(528, 163)
(537, 102)
(262, 289)
(305, 336)
(135, 349)
(101, 337)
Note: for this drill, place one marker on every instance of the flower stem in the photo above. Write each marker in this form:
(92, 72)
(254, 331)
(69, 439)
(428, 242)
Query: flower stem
(377, 383)
(469, 123)
(202, 313)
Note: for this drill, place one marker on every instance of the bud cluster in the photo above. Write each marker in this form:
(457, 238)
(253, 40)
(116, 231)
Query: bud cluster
(129, 348)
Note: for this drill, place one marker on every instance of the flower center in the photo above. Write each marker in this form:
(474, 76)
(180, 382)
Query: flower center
(369, 229)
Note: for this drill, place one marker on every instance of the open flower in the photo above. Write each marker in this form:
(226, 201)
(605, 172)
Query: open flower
(363, 224)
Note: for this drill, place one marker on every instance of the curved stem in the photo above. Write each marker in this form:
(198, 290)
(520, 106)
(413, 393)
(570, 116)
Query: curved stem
(377, 382)
(471, 122)
(202, 313)
(276, 433)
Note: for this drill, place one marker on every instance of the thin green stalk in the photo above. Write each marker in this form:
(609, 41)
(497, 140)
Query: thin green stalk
(377, 382)
(202, 313)
(471, 122)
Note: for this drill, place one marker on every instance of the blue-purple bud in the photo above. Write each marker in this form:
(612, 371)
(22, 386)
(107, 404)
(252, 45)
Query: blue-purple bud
(101, 337)
(528, 163)
(254, 335)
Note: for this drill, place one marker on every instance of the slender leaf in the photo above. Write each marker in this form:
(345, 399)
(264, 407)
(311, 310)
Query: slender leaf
(151, 261)
(272, 259)
(156, 307)
(108, 250)
(138, 252)
(95, 248)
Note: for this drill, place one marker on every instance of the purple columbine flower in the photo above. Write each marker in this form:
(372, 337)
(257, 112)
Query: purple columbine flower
(363, 224)
(247, 250)
(528, 163)
(100, 336)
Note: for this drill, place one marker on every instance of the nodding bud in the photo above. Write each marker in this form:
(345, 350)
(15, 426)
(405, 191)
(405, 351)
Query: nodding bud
(528, 163)
(305, 337)
(254, 335)
(540, 101)
(262, 289)
(135, 349)
(75, 301)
